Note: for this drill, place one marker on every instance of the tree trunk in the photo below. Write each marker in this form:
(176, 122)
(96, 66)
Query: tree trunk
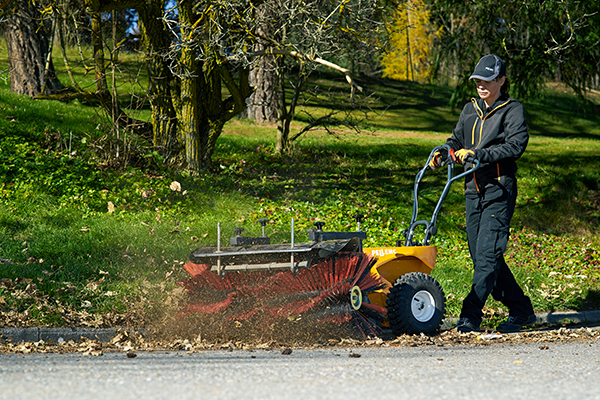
(263, 103)
(98, 47)
(282, 143)
(190, 105)
(203, 112)
(27, 48)
(164, 117)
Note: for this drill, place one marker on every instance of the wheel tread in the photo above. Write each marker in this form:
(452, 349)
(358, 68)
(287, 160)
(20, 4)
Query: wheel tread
(398, 304)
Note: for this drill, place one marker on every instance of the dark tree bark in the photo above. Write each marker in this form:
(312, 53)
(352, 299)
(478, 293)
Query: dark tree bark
(263, 104)
(27, 48)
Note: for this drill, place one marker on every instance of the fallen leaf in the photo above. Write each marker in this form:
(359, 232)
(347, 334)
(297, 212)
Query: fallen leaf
(175, 186)
(490, 336)
(93, 352)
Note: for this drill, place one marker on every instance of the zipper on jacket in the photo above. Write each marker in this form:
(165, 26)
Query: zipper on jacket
(482, 118)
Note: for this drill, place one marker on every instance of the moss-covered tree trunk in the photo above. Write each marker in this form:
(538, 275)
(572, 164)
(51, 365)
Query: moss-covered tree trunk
(189, 110)
(164, 118)
(204, 112)
(190, 74)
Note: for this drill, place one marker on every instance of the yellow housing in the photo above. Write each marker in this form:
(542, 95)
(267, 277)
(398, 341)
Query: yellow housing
(394, 262)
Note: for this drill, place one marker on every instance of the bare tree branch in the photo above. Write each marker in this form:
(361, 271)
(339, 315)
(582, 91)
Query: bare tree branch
(318, 60)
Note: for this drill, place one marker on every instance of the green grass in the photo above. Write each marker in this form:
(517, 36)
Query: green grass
(86, 240)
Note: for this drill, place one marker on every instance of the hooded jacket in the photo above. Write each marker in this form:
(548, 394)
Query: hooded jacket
(498, 136)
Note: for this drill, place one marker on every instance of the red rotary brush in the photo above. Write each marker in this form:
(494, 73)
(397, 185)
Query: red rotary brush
(216, 292)
(334, 290)
(330, 290)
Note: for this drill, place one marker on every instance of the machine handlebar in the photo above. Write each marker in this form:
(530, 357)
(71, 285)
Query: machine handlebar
(449, 160)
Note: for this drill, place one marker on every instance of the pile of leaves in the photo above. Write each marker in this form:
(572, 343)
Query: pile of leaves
(23, 304)
(130, 342)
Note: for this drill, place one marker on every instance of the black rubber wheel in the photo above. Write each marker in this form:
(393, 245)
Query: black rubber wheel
(416, 304)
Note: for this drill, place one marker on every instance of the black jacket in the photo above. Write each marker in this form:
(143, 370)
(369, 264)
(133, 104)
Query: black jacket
(498, 136)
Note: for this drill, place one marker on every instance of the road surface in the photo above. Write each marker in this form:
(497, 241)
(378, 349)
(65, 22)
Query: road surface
(513, 371)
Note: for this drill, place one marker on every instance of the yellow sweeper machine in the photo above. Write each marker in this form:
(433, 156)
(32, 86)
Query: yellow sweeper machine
(331, 278)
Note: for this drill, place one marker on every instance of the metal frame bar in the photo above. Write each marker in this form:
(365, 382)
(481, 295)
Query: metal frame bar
(293, 266)
(430, 228)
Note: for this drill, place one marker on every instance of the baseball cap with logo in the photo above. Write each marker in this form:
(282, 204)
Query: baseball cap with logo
(488, 68)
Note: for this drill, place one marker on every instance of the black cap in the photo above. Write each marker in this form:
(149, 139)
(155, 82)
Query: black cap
(488, 68)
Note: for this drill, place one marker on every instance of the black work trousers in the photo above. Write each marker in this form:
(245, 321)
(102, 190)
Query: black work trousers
(488, 229)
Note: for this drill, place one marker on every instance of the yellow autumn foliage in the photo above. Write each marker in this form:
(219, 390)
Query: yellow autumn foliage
(412, 40)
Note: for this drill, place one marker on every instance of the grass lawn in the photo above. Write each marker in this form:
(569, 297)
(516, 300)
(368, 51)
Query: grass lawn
(85, 244)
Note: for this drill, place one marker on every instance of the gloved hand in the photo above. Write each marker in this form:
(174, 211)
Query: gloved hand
(436, 160)
(464, 155)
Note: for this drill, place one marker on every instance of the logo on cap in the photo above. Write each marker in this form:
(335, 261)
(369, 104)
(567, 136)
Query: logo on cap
(489, 67)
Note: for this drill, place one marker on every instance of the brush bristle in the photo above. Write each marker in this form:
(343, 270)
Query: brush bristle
(324, 286)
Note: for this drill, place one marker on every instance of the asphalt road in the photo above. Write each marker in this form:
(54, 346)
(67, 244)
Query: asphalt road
(524, 371)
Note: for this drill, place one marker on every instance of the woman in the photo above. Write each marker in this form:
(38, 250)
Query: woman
(491, 129)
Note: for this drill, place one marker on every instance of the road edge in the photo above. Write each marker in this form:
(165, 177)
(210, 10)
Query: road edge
(57, 335)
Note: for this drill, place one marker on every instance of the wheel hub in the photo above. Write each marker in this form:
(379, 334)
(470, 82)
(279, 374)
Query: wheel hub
(422, 306)
(356, 297)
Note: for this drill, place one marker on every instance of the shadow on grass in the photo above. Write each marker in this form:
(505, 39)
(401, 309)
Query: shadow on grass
(402, 105)
(591, 301)
(560, 115)
(560, 193)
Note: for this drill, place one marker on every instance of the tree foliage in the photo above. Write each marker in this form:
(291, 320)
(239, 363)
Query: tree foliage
(411, 39)
(537, 39)
(199, 53)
